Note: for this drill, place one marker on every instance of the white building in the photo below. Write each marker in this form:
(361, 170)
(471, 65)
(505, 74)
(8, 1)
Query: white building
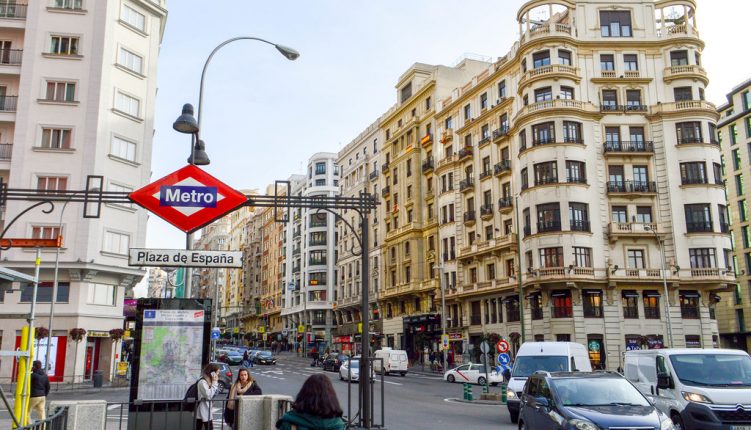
(77, 93)
(159, 286)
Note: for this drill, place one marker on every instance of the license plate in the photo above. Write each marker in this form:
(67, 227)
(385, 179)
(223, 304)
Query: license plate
(740, 427)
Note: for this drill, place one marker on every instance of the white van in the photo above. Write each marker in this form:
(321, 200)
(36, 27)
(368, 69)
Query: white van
(395, 361)
(703, 389)
(548, 356)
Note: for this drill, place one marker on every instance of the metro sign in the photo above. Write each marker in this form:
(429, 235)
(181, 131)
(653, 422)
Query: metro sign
(188, 198)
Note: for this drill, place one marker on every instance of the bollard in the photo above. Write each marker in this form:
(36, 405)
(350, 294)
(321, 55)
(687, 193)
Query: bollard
(503, 392)
(485, 389)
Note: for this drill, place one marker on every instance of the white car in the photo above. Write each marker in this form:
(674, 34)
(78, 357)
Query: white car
(474, 374)
(350, 369)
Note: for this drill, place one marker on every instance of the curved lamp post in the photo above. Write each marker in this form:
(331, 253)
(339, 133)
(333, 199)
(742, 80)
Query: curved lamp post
(187, 124)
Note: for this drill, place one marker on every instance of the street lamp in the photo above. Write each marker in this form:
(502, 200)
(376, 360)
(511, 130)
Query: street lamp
(661, 244)
(187, 124)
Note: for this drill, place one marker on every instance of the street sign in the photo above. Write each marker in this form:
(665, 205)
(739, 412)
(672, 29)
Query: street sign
(301, 328)
(265, 337)
(484, 347)
(285, 332)
(188, 198)
(504, 359)
(32, 243)
(215, 333)
(262, 329)
(184, 258)
(445, 342)
(502, 346)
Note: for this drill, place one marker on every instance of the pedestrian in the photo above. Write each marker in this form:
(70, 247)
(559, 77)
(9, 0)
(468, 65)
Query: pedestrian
(450, 358)
(506, 375)
(245, 358)
(207, 388)
(245, 385)
(316, 407)
(40, 388)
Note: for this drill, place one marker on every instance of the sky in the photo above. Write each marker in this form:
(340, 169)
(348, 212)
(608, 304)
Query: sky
(264, 116)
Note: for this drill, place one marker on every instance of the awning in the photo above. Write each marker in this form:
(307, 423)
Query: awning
(593, 292)
(560, 293)
(688, 294)
(651, 293)
(13, 276)
(629, 293)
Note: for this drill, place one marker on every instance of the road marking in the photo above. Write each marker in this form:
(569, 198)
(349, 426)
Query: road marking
(111, 407)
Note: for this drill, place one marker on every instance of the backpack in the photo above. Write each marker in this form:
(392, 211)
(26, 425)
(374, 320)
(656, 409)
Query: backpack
(191, 397)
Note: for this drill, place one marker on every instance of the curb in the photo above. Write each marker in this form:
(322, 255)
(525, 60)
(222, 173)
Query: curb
(476, 402)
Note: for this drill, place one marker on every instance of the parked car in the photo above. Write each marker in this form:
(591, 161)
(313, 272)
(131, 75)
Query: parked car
(264, 357)
(394, 360)
(350, 370)
(229, 356)
(586, 401)
(548, 356)
(225, 376)
(334, 361)
(473, 373)
(701, 389)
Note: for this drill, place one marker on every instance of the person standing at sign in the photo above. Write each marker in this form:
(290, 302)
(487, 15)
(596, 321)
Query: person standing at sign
(208, 386)
(40, 388)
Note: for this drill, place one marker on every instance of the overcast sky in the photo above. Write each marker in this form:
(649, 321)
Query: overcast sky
(264, 115)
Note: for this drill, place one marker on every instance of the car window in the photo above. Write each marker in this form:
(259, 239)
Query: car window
(544, 390)
(531, 387)
(463, 368)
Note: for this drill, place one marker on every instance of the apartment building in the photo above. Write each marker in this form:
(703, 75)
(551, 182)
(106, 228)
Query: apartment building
(311, 305)
(359, 174)
(252, 257)
(77, 89)
(272, 275)
(293, 275)
(591, 137)
(232, 300)
(212, 282)
(159, 284)
(734, 130)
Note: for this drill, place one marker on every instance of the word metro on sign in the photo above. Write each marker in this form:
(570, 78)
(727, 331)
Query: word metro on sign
(202, 197)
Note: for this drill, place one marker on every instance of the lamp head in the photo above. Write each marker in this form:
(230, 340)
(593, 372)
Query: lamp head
(186, 122)
(198, 156)
(290, 53)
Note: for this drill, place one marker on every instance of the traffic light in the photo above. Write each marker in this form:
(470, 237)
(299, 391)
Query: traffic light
(299, 338)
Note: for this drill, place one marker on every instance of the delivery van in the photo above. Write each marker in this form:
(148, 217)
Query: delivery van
(547, 356)
(707, 389)
(394, 361)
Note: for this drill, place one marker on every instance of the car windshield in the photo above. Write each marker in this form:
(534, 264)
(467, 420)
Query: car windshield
(597, 392)
(719, 370)
(265, 354)
(354, 364)
(529, 364)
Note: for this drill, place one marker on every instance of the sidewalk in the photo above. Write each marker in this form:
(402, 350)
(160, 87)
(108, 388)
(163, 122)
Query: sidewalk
(77, 386)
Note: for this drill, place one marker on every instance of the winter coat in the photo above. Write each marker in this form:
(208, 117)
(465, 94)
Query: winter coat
(308, 422)
(40, 383)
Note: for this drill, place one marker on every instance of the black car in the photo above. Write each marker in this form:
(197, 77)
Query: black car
(264, 357)
(333, 362)
(225, 376)
(586, 401)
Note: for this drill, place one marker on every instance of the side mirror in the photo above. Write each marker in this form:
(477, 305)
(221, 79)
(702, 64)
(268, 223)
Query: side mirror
(664, 381)
(542, 402)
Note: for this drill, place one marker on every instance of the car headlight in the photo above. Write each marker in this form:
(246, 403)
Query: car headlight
(510, 394)
(695, 397)
(667, 424)
(582, 425)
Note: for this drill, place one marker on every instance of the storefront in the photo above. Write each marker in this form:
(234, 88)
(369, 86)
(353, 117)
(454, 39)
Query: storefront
(344, 344)
(420, 332)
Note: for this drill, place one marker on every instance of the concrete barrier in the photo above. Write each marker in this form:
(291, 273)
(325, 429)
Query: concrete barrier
(84, 414)
(261, 412)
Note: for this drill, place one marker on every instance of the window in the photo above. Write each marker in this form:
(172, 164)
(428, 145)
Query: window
(44, 292)
(582, 257)
(572, 132)
(101, 294)
(630, 62)
(682, 93)
(564, 57)
(698, 218)
(68, 4)
(546, 173)
(127, 104)
(688, 132)
(44, 232)
(406, 92)
(630, 304)
(651, 300)
(124, 149)
(130, 60)
(576, 172)
(567, 93)
(484, 101)
(60, 91)
(116, 243)
(562, 305)
(633, 100)
(121, 189)
(541, 59)
(320, 182)
(543, 133)
(679, 58)
(635, 258)
(449, 123)
(607, 62)
(133, 18)
(55, 138)
(641, 178)
(52, 183)
(733, 134)
(525, 179)
(592, 300)
(578, 216)
(618, 214)
(535, 303)
(746, 100)
(689, 304)
(320, 168)
(502, 89)
(693, 173)
(736, 159)
(64, 45)
(490, 271)
(609, 100)
(615, 23)
(551, 257)
(543, 94)
(467, 111)
(717, 170)
(702, 258)
(644, 214)
(743, 210)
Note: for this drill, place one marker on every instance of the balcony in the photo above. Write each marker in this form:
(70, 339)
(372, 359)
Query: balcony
(546, 29)
(466, 184)
(557, 105)
(484, 141)
(576, 180)
(385, 168)
(629, 147)
(695, 140)
(500, 132)
(505, 204)
(447, 135)
(486, 211)
(8, 103)
(580, 226)
(699, 227)
(552, 71)
(469, 217)
(618, 230)
(694, 180)
(724, 227)
(546, 180)
(677, 30)
(627, 108)
(465, 152)
(11, 57)
(485, 174)
(548, 226)
(15, 11)
(317, 242)
(697, 106)
(373, 175)
(447, 160)
(385, 191)
(527, 230)
(632, 187)
(425, 140)
(428, 165)
(6, 150)
(688, 71)
(502, 167)
(317, 262)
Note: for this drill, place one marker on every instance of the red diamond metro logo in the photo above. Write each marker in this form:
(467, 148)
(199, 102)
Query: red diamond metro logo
(188, 198)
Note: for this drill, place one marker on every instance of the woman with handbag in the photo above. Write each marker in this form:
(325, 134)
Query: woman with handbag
(315, 408)
(245, 385)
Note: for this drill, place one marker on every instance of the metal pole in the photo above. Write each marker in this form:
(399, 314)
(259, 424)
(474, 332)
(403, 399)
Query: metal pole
(54, 290)
(188, 242)
(519, 275)
(216, 310)
(364, 312)
(665, 288)
(443, 312)
(29, 362)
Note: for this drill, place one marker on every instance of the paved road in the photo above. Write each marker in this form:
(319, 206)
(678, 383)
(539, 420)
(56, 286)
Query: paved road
(415, 402)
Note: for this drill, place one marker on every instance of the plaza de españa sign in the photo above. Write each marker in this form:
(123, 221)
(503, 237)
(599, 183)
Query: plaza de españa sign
(184, 258)
(188, 198)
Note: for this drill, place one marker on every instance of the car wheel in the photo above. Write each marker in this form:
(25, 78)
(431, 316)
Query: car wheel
(451, 379)
(481, 380)
(677, 421)
(514, 417)
(522, 425)
(404, 373)
(222, 387)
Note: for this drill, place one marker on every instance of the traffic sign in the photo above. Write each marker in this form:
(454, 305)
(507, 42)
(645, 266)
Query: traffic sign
(445, 342)
(501, 346)
(504, 359)
(188, 198)
(301, 328)
(284, 332)
(484, 347)
(215, 333)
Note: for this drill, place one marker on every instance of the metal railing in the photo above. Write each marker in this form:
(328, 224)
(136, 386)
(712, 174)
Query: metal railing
(630, 146)
(428, 164)
(8, 103)
(57, 421)
(632, 187)
(164, 414)
(546, 226)
(11, 56)
(13, 10)
(6, 150)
